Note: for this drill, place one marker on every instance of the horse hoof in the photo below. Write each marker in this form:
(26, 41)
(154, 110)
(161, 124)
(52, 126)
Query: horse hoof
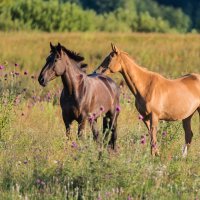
(155, 153)
(184, 151)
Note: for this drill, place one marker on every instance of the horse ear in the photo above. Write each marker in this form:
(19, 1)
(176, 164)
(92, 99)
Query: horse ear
(51, 46)
(115, 49)
(59, 48)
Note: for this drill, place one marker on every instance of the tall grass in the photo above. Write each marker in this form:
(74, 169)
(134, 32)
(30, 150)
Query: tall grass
(36, 160)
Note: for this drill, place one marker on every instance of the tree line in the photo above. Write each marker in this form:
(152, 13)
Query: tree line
(98, 15)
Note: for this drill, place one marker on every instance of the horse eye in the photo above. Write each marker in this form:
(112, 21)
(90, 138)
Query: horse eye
(112, 55)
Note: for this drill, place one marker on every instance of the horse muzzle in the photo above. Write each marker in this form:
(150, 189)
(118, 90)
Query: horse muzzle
(42, 81)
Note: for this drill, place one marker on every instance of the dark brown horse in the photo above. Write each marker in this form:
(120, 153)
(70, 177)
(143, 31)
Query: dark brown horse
(84, 97)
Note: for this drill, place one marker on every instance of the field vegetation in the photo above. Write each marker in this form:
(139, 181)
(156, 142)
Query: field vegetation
(90, 16)
(36, 160)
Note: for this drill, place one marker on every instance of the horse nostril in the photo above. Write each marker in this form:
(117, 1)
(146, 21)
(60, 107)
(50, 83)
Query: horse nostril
(42, 80)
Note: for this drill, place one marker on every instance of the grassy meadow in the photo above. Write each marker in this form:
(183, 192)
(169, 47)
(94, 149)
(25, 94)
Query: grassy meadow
(36, 160)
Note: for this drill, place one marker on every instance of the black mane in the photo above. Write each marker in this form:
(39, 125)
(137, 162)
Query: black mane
(73, 55)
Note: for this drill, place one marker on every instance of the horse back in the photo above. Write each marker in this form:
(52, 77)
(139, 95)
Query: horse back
(103, 91)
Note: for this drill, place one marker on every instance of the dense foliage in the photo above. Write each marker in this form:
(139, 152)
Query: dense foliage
(89, 15)
(192, 8)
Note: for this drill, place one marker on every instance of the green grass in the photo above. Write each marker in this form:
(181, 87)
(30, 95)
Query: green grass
(36, 160)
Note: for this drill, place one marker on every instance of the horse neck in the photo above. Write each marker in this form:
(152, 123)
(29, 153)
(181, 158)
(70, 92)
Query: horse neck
(72, 78)
(136, 77)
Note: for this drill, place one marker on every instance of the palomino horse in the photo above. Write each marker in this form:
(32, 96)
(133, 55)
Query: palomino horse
(83, 97)
(157, 98)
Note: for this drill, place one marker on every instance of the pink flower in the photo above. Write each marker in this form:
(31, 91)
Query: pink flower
(48, 96)
(16, 65)
(154, 146)
(143, 139)
(74, 145)
(17, 100)
(164, 134)
(102, 109)
(118, 108)
(1, 67)
(129, 197)
(38, 181)
(25, 162)
(140, 117)
(25, 73)
(91, 118)
(42, 183)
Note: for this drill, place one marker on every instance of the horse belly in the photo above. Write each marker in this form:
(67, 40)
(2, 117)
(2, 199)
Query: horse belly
(179, 109)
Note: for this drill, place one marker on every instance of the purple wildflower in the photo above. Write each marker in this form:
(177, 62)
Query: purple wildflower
(99, 197)
(25, 73)
(154, 146)
(1, 67)
(91, 118)
(42, 183)
(102, 109)
(34, 98)
(38, 181)
(16, 65)
(17, 100)
(25, 162)
(48, 96)
(164, 134)
(118, 108)
(108, 194)
(74, 145)
(17, 73)
(129, 197)
(143, 139)
(140, 117)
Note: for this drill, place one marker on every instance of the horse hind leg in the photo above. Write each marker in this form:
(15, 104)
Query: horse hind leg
(110, 126)
(188, 134)
(113, 130)
(95, 130)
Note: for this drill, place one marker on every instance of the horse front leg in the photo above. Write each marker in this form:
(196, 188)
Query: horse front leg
(67, 121)
(147, 123)
(153, 132)
(81, 127)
